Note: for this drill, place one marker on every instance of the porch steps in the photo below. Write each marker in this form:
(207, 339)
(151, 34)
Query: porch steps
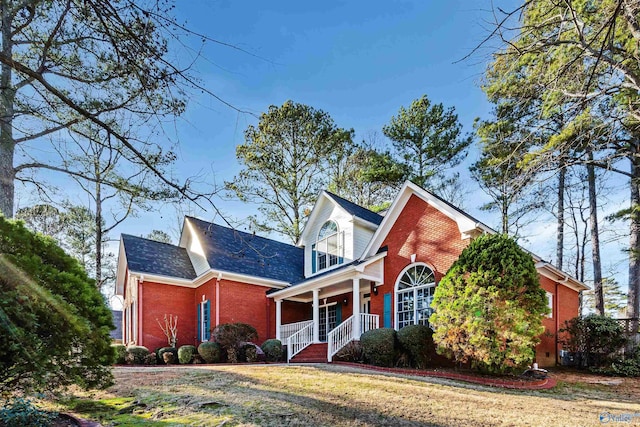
(315, 353)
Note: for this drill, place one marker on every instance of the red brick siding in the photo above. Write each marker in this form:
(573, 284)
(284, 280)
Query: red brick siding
(156, 301)
(426, 232)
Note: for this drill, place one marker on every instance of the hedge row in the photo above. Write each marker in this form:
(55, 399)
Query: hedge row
(411, 346)
(207, 352)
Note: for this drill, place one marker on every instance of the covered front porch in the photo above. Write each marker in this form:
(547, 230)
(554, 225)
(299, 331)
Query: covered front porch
(340, 307)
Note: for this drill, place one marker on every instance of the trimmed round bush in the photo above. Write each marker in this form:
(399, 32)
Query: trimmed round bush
(378, 346)
(170, 360)
(151, 359)
(232, 336)
(272, 350)
(136, 354)
(249, 353)
(186, 353)
(416, 341)
(121, 353)
(210, 351)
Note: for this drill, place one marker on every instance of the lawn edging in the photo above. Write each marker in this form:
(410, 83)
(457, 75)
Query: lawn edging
(542, 384)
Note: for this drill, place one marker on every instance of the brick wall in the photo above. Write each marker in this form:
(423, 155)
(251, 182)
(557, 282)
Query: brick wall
(156, 301)
(422, 230)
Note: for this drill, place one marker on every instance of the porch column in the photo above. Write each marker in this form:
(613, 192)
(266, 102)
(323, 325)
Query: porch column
(356, 308)
(316, 315)
(278, 318)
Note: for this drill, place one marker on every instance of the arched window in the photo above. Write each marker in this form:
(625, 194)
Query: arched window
(327, 251)
(414, 293)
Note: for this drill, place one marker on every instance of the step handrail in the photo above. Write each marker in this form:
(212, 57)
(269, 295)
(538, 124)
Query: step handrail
(299, 341)
(340, 336)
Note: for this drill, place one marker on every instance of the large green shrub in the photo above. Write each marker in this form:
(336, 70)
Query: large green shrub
(186, 353)
(54, 322)
(137, 355)
(231, 336)
(272, 350)
(120, 353)
(378, 346)
(168, 360)
(594, 338)
(416, 341)
(489, 306)
(210, 351)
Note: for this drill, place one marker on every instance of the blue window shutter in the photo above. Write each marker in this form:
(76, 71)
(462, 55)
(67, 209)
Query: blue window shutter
(313, 258)
(207, 320)
(387, 310)
(198, 309)
(338, 314)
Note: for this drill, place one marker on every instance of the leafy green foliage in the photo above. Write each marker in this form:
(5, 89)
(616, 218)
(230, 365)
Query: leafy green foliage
(595, 337)
(137, 355)
(272, 350)
(120, 351)
(21, 412)
(628, 367)
(417, 342)
(378, 346)
(429, 140)
(186, 353)
(489, 306)
(210, 352)
(284, 162)
(55, 324)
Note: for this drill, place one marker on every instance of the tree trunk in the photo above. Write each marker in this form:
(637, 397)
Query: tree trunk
(98, 219)
(7, 97)
(560, 216)
(634, 241)
(595, 237)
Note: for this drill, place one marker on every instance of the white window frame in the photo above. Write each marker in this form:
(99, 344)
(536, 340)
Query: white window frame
(326, 253)
(550, 304)
(203, 331)
(414, 289)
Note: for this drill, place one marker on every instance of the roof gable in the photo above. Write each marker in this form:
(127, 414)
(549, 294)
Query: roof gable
(152, 257)
(350, 208)
(243, 253)
(356, 210)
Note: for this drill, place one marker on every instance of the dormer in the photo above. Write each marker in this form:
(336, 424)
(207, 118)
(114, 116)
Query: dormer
(336, 233)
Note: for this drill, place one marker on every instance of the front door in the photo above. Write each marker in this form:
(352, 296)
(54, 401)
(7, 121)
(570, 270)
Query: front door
(365, 303)
(327, 320)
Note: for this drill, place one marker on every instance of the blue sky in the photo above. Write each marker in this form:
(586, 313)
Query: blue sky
(358, 61)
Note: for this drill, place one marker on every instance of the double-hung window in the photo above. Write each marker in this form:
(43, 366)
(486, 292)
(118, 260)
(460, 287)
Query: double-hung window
(327, 251)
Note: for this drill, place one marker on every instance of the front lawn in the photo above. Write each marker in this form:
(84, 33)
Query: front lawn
(333, 395)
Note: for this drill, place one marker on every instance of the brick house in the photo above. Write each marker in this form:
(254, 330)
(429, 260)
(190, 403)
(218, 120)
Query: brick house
(352, 270)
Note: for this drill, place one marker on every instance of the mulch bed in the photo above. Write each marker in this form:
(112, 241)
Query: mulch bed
(518, 383)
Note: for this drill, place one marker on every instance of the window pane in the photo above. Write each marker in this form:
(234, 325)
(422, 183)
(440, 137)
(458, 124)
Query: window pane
(414, 296)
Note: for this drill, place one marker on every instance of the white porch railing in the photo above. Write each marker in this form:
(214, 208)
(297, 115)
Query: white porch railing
(299, 341)
(291, 328)
(342, 334)
(368, 322)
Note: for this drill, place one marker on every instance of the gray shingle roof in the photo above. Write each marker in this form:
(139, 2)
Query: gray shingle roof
(164, 259)
(244, 253)
(357, 210)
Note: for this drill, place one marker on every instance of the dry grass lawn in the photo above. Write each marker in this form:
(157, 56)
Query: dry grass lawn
(333, 395)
